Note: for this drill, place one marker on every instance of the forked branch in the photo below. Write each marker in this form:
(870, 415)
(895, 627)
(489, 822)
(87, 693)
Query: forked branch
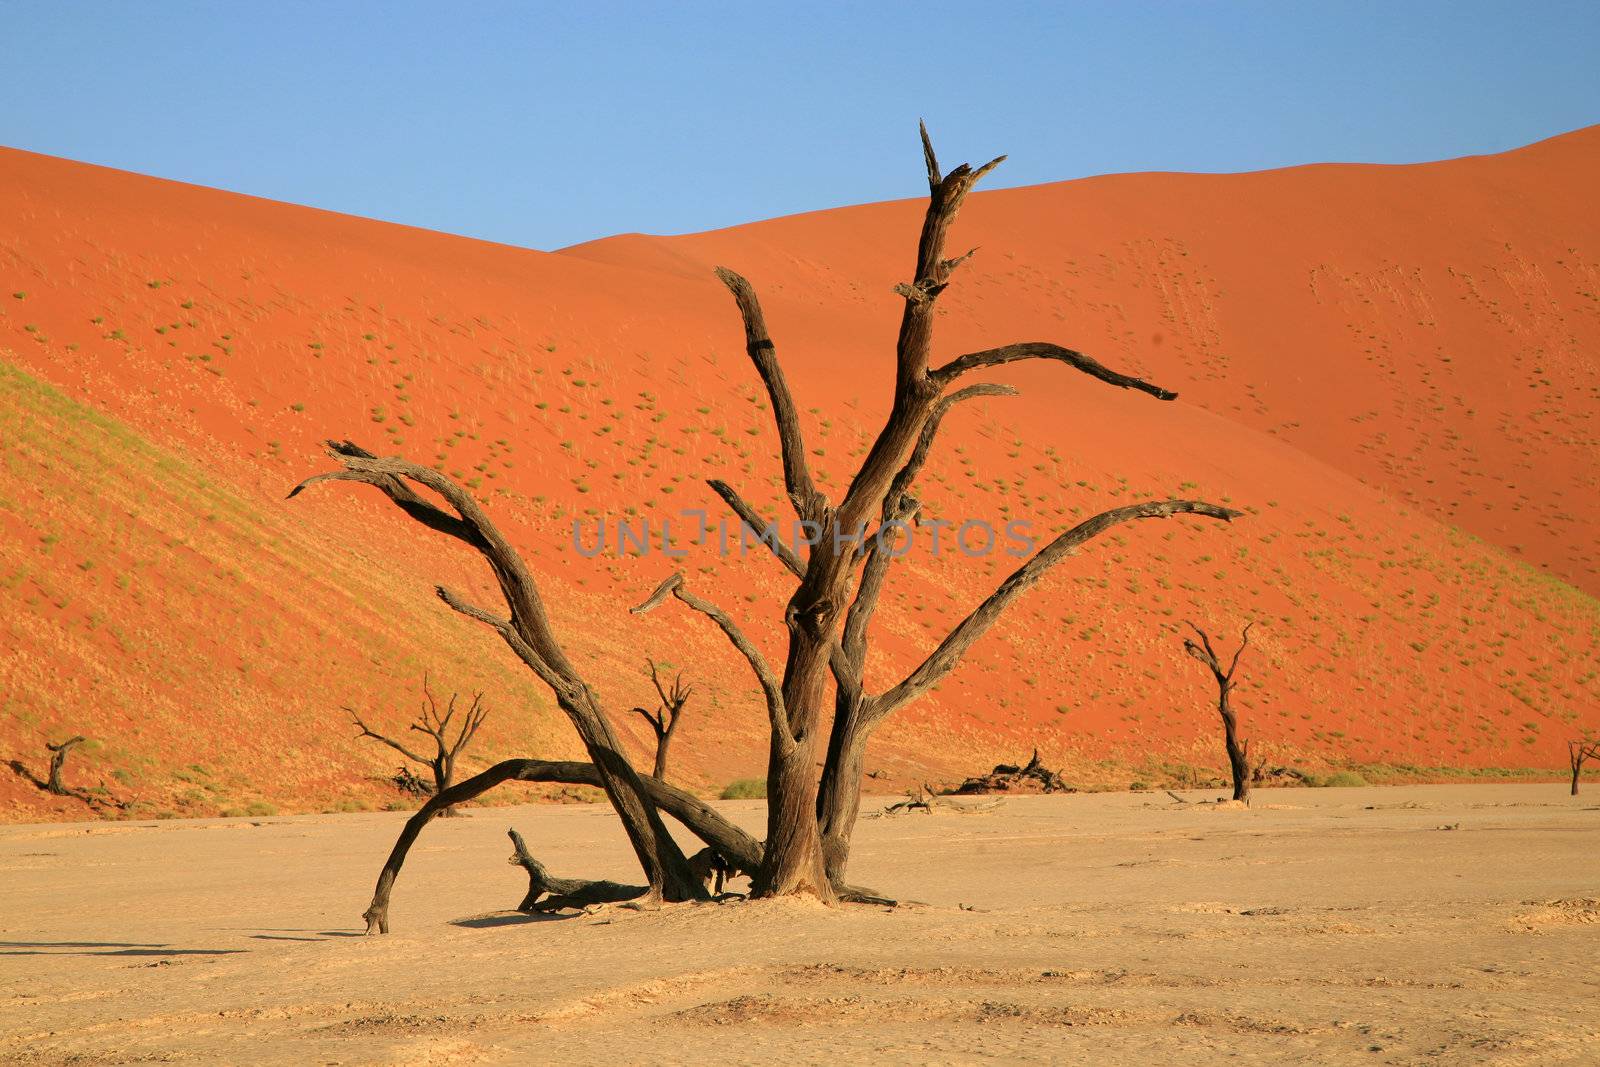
(528, 632)
(435, 724)
(1207, 655)
(1578, 753)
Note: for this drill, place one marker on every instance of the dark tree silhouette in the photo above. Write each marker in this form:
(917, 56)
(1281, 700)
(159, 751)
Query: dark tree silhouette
(1238, 751)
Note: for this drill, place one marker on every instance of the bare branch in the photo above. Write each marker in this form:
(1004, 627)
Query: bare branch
(1244, 642)
(954, 646)
(915, 393)
(367, 731)
(899, 506)
(469, 726)
(509, 633)
(928, 157)
(401, 494)
(528, 616)
(808, 502)
(1203, 651)
(771, 689)
(754, 520)
(998, 357)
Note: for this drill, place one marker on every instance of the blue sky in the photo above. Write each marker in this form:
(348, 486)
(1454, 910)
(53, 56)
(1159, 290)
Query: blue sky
(544, 124)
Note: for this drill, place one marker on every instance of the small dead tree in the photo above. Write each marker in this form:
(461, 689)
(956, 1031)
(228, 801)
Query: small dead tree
(1578, 752)
(664, 720)
(435, 725)
(58, 760)
(1238, 751)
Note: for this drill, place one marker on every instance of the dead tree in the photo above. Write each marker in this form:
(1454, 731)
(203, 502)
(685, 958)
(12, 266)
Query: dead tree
(1578, 752)
(827, 617)
(436, 726)
(58, 760)
(1238, 751)
(839, 582)
(664, 720)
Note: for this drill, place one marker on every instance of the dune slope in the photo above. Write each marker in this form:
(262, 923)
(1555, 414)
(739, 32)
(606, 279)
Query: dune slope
(1389, 369)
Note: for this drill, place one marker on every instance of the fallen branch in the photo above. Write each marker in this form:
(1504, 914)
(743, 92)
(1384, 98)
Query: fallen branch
(740, 849)
(546, 892)
(926, 801)
(1006, 777)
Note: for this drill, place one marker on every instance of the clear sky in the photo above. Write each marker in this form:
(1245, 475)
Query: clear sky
(546, 124)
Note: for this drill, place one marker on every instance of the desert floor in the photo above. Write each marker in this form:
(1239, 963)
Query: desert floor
(1449, 924)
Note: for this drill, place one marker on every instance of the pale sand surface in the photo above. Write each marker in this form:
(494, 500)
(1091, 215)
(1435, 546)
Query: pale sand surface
(1336, 925)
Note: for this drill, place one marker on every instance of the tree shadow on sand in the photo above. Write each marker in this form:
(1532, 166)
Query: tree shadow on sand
(512, 918)
(105, 948)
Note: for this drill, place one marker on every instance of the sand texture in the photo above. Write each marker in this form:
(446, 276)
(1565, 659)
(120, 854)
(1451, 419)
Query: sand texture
(1437, 924)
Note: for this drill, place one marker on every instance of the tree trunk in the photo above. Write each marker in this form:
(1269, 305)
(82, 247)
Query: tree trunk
(58, 760)
(1238, 754)
(663, 742)
(1577, 769)
(839, 798)
(793, 861)
(444, 772)
(665, 866)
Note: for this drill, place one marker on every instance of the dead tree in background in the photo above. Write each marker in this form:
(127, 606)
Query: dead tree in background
(437, 727)
(826, 618)
(1577, 753)
(1238, 751)
(664, 720)
(58, 760)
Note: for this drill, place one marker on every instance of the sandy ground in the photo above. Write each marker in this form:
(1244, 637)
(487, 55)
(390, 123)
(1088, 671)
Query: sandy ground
(1441, 924)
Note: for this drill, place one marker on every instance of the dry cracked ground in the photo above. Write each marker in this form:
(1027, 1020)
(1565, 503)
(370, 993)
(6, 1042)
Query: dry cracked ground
(1428, 924)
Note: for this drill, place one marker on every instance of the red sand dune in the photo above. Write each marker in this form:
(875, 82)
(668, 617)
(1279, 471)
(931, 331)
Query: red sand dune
(1391, 369)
